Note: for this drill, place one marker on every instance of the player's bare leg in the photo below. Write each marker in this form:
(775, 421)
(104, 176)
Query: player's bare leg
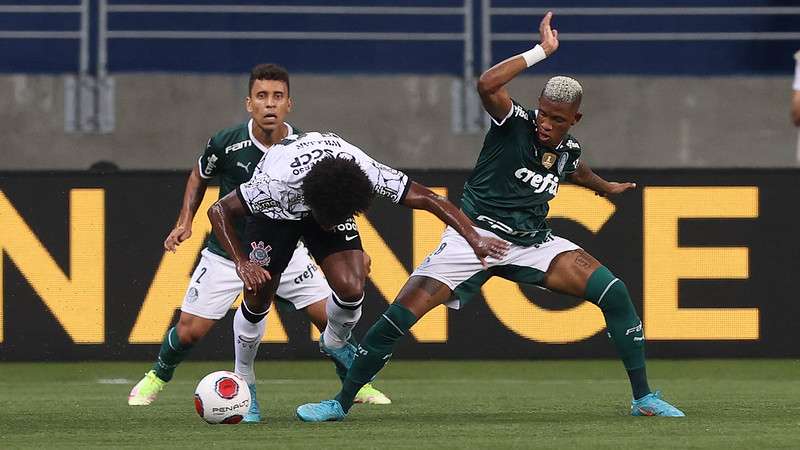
(176, 345)
(317, 315)
(579, 274)
(418, 296)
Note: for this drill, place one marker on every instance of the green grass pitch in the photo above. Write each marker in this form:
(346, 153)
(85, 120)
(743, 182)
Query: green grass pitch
(729, 404)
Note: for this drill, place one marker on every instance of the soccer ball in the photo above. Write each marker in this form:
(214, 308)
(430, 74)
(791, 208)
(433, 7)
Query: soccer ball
(222, 397)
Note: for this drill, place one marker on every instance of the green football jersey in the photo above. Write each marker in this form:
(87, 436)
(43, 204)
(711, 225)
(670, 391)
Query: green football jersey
(232, 154)
(515, 178)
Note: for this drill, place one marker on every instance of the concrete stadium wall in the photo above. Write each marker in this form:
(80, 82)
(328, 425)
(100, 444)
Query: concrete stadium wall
(163, 121)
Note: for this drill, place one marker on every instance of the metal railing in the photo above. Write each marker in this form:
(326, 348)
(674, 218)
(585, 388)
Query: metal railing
(89, 97)
(461, 119)
(79, 106)
(489, 36)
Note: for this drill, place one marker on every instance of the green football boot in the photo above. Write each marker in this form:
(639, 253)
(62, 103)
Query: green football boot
(146, 390)
(369, 395)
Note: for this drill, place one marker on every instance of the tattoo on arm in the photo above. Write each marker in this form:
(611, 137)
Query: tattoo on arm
(583, 259)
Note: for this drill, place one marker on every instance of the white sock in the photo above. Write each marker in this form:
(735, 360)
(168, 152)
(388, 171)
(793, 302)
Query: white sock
(342, 318)
(246, 339)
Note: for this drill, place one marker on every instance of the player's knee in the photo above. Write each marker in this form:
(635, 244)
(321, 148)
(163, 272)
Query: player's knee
(349, 289)
(607, 291)
(189, 334)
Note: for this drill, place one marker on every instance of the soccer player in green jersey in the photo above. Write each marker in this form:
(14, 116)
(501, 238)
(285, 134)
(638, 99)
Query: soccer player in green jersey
(232, 155)
(524, 157)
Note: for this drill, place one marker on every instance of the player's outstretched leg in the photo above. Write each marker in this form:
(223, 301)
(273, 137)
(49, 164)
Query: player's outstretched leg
(248, 330)
(368, 394)
(342, 324)
(626, 331)
(373, 353)
(171, 354)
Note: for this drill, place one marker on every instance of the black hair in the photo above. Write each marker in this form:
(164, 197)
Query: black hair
(336, 189)
(268, 72)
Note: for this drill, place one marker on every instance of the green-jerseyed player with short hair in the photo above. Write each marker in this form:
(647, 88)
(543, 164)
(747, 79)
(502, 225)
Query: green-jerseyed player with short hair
(525, 155)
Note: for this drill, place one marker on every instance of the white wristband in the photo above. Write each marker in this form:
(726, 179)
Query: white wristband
(534, 55)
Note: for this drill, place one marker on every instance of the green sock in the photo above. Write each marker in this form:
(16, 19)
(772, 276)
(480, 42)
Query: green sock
(171, 354)
(375, 351)
(623, 324)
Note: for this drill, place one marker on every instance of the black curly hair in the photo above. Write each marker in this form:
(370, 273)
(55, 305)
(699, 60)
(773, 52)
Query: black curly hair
(336, 189)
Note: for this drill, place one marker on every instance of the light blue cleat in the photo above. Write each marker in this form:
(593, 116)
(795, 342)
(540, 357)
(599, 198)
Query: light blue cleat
(324, 411)
(254, 413)
(652, 405)
(341, 356)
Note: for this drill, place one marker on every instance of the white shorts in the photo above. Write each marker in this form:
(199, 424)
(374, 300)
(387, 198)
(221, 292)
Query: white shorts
(454, 263)
(215, 284)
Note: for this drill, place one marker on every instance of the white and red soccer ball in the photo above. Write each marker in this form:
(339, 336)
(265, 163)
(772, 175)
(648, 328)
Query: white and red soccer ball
(222, 397)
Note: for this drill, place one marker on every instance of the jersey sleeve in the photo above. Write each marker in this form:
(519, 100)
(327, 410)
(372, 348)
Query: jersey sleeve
(387, 182)
(260, 194)
(211, 160)
(516, 116)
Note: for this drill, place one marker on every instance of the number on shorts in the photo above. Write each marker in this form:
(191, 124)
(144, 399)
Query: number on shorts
(202, 272)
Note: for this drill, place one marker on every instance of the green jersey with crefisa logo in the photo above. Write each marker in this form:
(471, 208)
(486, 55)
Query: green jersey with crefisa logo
(232, 154)
(515, 178)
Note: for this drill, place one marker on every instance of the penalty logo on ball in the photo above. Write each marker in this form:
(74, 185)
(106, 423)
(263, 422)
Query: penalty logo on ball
(226, 388)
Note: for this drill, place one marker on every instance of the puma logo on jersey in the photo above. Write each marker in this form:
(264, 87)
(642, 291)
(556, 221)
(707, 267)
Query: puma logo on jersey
(238, 146)
(538, 182)
(245, 167)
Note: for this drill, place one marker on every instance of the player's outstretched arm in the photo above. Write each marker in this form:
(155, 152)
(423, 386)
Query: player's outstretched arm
(420, 197)
(584, 176)
(192, 197)
(222, 214)
(492, 83)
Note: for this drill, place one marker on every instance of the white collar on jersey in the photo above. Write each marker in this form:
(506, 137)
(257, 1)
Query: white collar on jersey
(257, 143)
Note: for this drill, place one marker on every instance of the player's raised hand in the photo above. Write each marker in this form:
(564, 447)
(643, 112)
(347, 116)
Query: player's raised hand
(252, 275)
(548, 35)
(178, 234)
(488, 246)
(617, 188)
